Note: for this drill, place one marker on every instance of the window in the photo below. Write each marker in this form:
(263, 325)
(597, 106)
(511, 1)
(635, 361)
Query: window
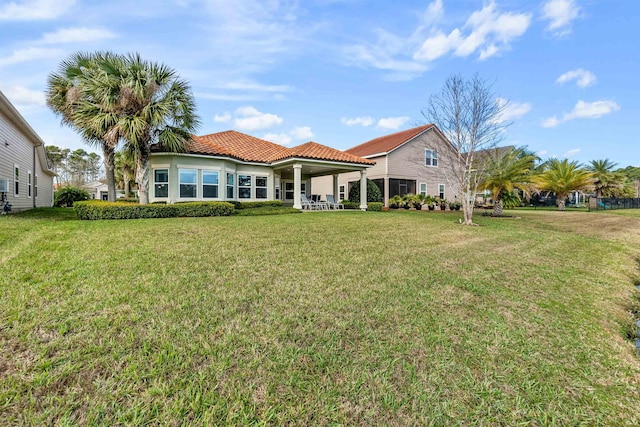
(188, 183)
(35, 182)
(161, 183)
(288, 190)
(261, 187)
(423, 188)
(341, 192)
(441, 191)
(29, 184)
(244, 186)
(230, 186)
(16, 180)
(431, 157)
(209, 184)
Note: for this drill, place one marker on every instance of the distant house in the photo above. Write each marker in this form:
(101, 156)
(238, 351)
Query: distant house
(97, 189)
(24, 172)
(233, 166)
(412, 161)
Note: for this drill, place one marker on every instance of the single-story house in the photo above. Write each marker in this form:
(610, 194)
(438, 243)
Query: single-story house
(411, 161)
(26, 181)
(97, 189)
(233, 166)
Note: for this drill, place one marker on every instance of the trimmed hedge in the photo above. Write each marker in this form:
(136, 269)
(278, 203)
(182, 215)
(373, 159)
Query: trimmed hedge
(128, 200)
(253, 205)
(96, 209)
(269, 210)
(371, 206)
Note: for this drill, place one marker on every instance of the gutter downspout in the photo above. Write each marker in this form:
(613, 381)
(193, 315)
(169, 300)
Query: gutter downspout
(33, 175)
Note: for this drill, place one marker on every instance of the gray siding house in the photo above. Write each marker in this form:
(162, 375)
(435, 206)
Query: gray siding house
(23, 163)
(417, 160)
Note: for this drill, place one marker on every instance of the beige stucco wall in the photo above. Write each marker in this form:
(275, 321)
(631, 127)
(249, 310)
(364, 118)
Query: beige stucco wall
(406, 162)
(175, 162)
(17, 149)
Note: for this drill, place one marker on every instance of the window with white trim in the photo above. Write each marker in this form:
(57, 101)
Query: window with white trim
(161, 183)
(231, 193)
(244, 186)
(441, 191)
(430, 157)
(210, 184)
(423, 188)
(342, 194)
(16, 180)
(35, 186)
(188, 180)
(261, 187)
(29, 184)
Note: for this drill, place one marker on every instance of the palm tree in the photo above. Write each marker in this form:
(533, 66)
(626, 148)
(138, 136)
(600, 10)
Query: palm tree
(606, 182)
(506, 171)
(67, 94)
(562, 177)
(125, 169)
(148, 105)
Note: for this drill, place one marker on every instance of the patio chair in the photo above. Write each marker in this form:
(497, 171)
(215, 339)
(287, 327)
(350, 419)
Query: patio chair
(309, 204)
(332, 203)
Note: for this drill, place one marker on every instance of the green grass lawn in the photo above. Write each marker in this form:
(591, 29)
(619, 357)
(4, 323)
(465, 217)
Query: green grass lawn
(391, 318)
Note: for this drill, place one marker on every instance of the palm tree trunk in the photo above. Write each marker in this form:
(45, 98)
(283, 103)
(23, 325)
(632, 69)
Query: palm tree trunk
(497, 208)
(561, 204)
(142, 176)
(127, 183)
(110, 167)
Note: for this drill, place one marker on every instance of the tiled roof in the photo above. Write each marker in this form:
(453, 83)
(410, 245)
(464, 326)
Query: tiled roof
(251, 149)
(313, 150)
(386, 143)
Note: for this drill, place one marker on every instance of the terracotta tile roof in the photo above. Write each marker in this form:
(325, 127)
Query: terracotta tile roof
(313, 150)
(386, 143)
(251, 149)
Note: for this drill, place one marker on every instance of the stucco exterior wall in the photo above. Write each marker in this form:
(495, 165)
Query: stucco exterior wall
(17, 150)
(173, 163)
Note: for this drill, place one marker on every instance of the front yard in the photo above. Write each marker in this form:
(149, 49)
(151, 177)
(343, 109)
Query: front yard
(397, 318)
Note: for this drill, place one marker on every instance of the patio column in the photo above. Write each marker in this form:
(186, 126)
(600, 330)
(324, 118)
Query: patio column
(363, 189)
(386, 191)
(297, 180)
(336, 192)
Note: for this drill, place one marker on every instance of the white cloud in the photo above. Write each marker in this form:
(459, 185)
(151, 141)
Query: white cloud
(30, 54)
(302, 133)
(487, 31)
(75, 35)
(541, 153)
(584, 110)
(392, 122)
(571, 153)
(254, 86)
(250, 119)
(560, 14)
(32, 10)
(278, 138)
(362, 121)
(512, 110)
(582, 77)
(23, 97)
(224, 118)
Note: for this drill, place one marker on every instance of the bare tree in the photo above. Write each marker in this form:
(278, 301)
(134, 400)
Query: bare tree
(469, 114)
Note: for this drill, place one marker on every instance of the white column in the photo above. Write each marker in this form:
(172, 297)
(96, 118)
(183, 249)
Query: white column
(336, 191)
(386, 191)
(363, 189)
(297, 179)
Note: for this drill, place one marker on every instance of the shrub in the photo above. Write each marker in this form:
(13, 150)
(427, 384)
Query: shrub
(373, 192)
(96, 209)
(67, 196)
(375, 206)
(268, 210)
(128, 200)
(351, 205)
(253, 205)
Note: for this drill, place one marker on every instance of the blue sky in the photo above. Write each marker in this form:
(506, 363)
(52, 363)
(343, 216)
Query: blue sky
(341, 72)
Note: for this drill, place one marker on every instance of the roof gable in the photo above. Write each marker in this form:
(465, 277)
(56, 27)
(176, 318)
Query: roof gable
(387, 143)
(248, 148)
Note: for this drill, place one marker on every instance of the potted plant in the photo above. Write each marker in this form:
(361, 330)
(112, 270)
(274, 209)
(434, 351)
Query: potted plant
(395, 202)
(430, 201)
(443, 204)
(418, 200)
(455, 206)
(407, 201)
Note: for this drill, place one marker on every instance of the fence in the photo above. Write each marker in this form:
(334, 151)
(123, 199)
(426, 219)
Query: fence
(601, 204)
